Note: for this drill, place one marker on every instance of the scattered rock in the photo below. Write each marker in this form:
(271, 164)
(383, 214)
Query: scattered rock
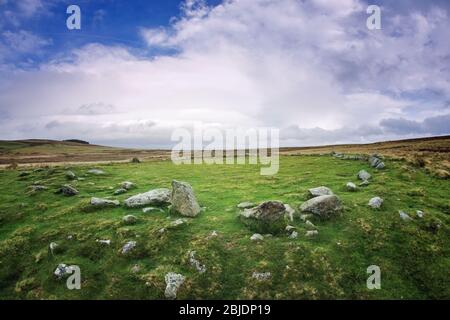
(257, 237)
(173, 283)
(293, 235)
(135, 160)
(136, 268)
(375, 203)
(364, 175)
(98, 202)
(106, 242)
(195, 263)
(351, 186)
(262, 276)
(322, 206)
(213, 234)
(153, 197)
(420, 214)
(376, 162)
(129, 219)
(120, 191)
(365, 183)
(70, 175)
(127, 185)
(268, 217)
(177, 222)
(96, 171)
(290, 228)
(130, 245)
(404, 216)
(310, 225)
(68, 190)
(183, 199)
(62, 270)
(319, 191)
(53, 247)
(290, 212)
(150, 209)
(311, 233)
(245, 205)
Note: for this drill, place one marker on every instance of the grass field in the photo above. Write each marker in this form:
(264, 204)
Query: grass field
(414, 256)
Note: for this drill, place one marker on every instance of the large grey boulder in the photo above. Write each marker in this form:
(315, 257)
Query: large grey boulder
(183, 199)
(268, 217)
(269, 211)
(173, 283)
(323, 206)
(98, 202)
(319, 191)
(364, 175)
(376, 162)
(159, 196)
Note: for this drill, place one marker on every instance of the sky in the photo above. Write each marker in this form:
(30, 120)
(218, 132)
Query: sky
(138, 70)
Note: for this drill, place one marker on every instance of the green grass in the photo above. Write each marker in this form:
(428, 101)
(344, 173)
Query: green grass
(414, 257)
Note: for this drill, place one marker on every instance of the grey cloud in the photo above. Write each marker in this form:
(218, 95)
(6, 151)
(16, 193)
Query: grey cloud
(434, 125)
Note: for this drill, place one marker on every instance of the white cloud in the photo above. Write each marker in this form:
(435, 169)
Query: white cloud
(310, 68)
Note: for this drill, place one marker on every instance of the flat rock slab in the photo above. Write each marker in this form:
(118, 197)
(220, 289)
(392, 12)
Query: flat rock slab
(319, 191)
(153, 197)
(322, 206)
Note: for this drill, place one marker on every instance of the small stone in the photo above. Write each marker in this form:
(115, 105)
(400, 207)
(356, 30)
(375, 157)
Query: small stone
(68, 190)
(351, 186)
(323, 206)
(120, 191)
(127, 185)
(375, 203)
(129, 219)
(98, 202)
(149, 209)
(245, 205)
(404, 216)
(364, 175)
(293, 235)
(130, 245)
(261, 276)
(177, 222)
(62, 270)
(365, 183)
(319, 191)
(106, 242)
(311, 233)
(96, 172)
(195, 263)
(305, 217)
(173, 283)
(136, 268)
(290, 212)
(257, 237)
(290, 228)
(52, 247)
(419, 214)
(70, 175)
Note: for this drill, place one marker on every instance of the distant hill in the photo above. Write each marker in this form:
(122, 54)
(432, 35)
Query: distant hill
(76, 141)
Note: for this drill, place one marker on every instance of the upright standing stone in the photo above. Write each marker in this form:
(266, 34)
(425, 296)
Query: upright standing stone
(183, 199)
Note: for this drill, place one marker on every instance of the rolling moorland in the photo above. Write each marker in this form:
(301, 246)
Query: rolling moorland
(413, 253)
